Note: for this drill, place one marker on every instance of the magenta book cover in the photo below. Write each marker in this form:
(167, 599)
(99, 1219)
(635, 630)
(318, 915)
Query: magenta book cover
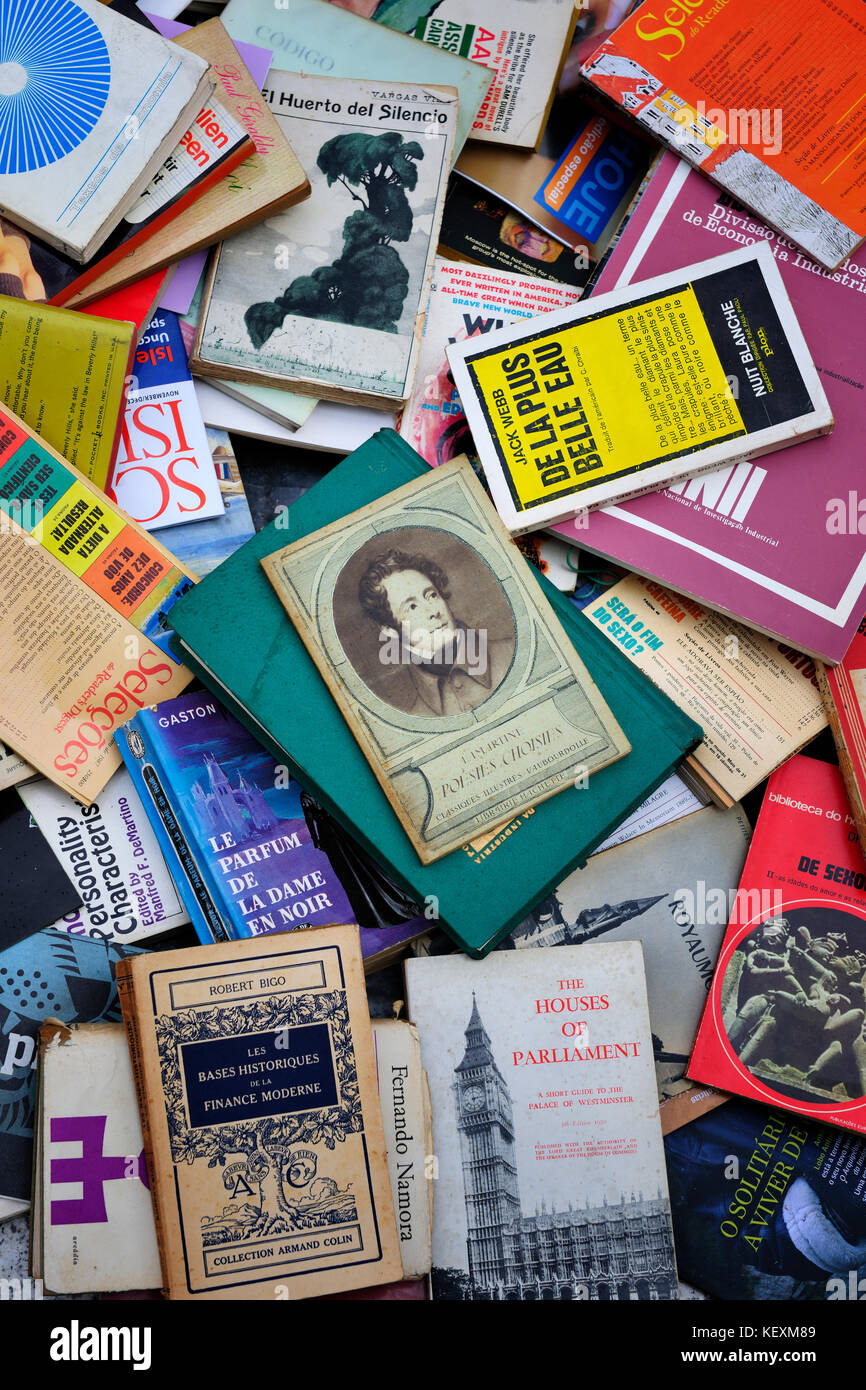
(775, 542)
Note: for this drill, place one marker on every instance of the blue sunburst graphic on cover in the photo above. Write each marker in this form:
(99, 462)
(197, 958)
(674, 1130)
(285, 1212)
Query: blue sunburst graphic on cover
(54, 79)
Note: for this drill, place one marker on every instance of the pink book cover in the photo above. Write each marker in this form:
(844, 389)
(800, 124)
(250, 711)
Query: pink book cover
(779, 544)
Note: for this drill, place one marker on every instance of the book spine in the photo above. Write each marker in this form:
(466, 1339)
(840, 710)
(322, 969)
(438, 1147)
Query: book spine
(129, 1008)
(703, 784)
(79, 290)
(172, 832)
(847, 766)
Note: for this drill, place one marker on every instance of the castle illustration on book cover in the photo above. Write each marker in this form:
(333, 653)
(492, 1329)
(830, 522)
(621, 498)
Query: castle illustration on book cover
(596, 1249)
(244, 812)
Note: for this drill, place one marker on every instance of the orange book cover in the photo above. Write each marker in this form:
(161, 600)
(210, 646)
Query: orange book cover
(767, 100)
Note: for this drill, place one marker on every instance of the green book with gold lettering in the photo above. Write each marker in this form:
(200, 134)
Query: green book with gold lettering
(234, 633)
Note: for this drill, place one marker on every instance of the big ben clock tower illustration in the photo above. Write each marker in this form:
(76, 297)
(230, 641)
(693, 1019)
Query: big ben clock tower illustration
(486, 1129)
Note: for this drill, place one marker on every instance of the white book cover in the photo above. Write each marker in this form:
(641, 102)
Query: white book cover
(522, 42)
(405, 1100)
(632, 390)
(95, 1214)
(328, 298)
(90, 105)
(112, 857)
(672, 890)
(163, 472)
(669, 802)
(551, 1180)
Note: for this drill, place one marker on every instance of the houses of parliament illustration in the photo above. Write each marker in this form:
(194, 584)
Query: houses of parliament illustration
(619, 1250)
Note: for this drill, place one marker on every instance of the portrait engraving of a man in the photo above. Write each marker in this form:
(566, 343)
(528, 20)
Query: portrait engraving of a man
(451, 667)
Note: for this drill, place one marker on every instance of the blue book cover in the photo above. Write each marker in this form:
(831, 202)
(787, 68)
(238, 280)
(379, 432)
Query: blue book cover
(245, 844)
(50, 975)
(768, 1205)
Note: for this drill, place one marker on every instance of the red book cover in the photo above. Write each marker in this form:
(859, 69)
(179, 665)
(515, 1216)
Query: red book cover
(843, 689)
(784, 1020)
(134, 303)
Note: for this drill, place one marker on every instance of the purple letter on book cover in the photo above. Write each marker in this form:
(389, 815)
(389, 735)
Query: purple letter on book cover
(91, 1169)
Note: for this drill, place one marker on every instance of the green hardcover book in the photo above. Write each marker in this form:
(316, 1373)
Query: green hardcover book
(325, 40)
(234, 633)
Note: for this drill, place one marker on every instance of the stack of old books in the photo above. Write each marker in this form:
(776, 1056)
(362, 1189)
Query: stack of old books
(537, 625)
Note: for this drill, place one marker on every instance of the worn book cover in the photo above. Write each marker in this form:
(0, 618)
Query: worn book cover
(581, 197)
(251, 852)
(763, 100)
(95, 103)
(792, 1228)
(523, 42)
(464, 302)
(520, 1049)
(270, 176)
(256, 1082)
(286, 408)
(65, 374)
(634, 390)
(328, 299)
(36, 890)
(91, 1199)
(487, 230)
(404, 1096)
(784, 1018)
(214, 144)
(111, 857)
(84, 601)
(756, 699)
(202, 160)
(460, 686)
(50, 975)
(163, 473)
(673, 890)
(317, 37)
(772, 545)
(490, 885)
(843, 689)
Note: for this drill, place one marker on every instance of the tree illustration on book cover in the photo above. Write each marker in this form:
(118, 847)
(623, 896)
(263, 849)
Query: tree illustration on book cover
(272, 1176)
(367, 284)
(327, 296)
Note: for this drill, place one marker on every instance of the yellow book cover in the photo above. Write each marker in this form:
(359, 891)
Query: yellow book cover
(64, 374)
